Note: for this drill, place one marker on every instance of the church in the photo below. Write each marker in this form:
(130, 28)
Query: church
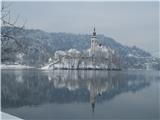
(97, 49)
(95, 57)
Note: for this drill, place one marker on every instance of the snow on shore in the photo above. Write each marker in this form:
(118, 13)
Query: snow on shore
(46, 67)
(17, 66)
(6, 116)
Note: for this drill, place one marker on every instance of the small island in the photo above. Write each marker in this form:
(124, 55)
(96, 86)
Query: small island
(97, 57)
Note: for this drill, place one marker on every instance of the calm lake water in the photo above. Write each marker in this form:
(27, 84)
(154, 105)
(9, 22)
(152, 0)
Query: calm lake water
(61, 94)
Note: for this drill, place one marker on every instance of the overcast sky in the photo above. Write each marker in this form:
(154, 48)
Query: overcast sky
(130, 23)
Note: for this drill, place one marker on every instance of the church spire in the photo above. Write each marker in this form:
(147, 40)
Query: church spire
(94, 32)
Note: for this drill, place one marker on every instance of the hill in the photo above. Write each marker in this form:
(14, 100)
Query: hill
(41, 45)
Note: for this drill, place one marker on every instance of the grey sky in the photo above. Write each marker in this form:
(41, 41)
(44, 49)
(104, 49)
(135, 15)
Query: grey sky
(130, 23)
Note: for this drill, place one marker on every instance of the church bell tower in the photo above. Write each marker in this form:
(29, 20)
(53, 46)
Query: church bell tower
(93, 42)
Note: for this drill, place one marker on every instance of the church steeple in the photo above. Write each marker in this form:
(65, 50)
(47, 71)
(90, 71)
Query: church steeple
(94, 32)
(93, 42)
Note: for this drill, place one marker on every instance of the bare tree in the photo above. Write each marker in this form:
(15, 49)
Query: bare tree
(9, 29)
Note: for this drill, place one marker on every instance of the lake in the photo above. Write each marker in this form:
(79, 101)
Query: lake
(84, 94)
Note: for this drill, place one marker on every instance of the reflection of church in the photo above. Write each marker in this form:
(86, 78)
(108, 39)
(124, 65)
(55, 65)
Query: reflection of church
(96, 88)
(93, 94)
(92, 86)
(93, 81)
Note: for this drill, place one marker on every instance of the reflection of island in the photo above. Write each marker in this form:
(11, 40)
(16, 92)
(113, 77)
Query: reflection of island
(95, 82)
(33, 87)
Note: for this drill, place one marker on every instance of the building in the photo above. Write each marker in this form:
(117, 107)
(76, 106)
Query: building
(95, 57)
(93, 42)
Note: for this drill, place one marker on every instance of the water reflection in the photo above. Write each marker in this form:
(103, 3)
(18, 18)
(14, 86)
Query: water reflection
(34, 87)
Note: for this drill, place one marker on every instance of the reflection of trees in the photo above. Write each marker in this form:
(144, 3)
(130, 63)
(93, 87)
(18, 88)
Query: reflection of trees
(33, 87)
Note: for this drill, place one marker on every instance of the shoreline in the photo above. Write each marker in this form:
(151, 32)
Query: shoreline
(7, 116)
(87, 69)
(17, 66)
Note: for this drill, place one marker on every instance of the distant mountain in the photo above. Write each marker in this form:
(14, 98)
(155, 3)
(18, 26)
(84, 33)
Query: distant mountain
(40, 45)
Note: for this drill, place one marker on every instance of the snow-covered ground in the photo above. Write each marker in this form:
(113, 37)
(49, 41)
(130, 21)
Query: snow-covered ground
(47, 67)
(16, 66)
(6, 116)
(74, 59)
